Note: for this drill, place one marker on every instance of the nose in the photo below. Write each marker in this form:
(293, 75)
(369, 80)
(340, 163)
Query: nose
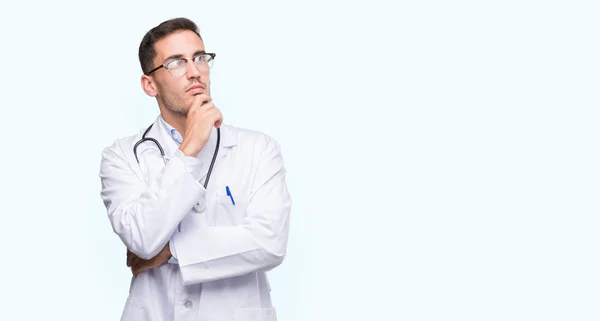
(192, 70)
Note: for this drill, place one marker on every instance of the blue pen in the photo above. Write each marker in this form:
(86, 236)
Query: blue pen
(229, 194)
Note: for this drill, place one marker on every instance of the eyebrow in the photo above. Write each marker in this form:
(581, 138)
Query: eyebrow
(177, 56)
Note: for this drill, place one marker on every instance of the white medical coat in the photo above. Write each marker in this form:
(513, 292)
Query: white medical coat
(223, 250)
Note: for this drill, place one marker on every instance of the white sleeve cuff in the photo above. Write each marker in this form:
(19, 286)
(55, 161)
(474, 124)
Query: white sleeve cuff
(173, 259)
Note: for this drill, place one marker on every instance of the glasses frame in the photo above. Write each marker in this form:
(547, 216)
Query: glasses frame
(212, 56)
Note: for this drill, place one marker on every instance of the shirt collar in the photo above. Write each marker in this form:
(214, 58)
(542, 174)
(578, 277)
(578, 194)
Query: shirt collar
(228, 139)
(173, 133)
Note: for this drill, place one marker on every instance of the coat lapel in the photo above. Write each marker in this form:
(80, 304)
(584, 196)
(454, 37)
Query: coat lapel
(151, 160)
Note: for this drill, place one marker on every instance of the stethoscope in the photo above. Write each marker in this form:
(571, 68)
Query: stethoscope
(162, 152)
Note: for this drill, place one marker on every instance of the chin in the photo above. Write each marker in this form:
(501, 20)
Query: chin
(184, 111)
(180, 110)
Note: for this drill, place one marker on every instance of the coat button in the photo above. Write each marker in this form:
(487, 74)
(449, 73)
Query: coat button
(188, 304)
(199, 206)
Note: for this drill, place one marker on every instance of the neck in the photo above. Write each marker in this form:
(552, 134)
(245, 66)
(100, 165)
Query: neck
(174, 119)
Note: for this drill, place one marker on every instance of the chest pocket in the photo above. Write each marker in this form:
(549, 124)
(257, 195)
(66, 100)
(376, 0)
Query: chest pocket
(224, 212)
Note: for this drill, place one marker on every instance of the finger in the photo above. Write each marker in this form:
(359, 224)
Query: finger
(209, 114)
(133, 261)
(200, 100)
(197, 111)
(137, 269)
(206, 107)
(216, 117)
(141, 267)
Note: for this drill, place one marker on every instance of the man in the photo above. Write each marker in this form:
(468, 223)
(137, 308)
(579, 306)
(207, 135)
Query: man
(198, 250)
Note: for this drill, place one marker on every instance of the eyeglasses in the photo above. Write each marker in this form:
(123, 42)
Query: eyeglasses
(178, 67)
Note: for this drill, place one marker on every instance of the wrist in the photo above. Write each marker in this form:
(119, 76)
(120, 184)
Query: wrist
(167, 251)
(188, 151)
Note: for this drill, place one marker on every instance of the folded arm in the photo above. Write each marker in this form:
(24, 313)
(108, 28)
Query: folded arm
(259, 243)
(145, 216)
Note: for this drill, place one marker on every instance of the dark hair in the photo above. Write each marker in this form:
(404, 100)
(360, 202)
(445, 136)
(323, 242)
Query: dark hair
(147, 52)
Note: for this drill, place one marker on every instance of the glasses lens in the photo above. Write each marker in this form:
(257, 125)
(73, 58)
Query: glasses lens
(177, 72)
(203, 61)
(176, 67)
(209, 61)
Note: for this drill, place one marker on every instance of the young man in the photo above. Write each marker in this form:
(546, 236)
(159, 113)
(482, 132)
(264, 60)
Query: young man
(196, 252)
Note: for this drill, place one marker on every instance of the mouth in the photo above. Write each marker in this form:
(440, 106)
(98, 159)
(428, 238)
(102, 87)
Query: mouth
(195, 89)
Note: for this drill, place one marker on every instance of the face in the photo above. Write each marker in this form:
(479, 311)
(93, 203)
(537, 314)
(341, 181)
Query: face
(176, 94)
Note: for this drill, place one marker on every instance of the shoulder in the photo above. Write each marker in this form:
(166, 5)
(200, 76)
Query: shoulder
(256, 151)
(121, 146)
(246, 138)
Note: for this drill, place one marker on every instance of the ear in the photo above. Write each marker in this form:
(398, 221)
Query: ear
(149, 86)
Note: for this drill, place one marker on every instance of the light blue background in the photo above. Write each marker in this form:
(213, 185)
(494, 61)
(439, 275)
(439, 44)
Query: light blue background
(442, 155)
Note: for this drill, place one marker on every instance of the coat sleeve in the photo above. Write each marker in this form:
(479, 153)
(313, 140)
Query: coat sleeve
(144, 216)
(259, 243)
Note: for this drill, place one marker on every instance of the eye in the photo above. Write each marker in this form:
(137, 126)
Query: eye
(178, 63)
(200, 58)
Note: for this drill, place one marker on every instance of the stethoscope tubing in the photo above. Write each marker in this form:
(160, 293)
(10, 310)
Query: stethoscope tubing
(162, 152)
